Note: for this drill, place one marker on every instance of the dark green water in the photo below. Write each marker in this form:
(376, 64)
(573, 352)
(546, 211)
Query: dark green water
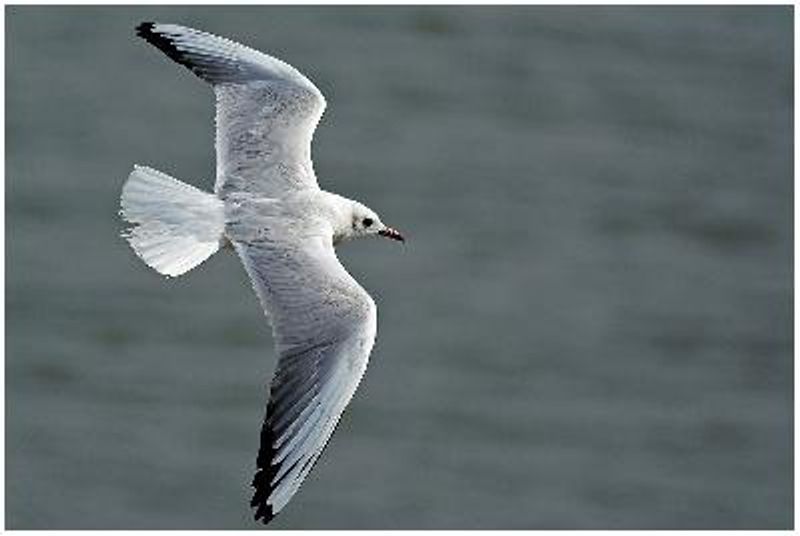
(590, 327)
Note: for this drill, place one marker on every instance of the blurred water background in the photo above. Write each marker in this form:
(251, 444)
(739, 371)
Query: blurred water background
(590, 327)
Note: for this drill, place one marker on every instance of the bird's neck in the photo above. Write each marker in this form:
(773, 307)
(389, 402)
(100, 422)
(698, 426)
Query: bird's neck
(338, 212)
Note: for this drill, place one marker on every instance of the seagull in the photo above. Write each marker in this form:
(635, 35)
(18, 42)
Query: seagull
(268, 208)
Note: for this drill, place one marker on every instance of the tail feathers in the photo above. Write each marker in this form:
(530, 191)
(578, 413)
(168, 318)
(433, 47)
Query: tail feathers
(175, 225)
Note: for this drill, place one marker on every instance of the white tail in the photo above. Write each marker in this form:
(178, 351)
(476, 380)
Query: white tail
(175, 225)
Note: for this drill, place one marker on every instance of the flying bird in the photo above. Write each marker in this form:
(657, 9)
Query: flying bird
(268, 208)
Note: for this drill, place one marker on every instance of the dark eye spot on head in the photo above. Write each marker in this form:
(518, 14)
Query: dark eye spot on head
(367, 222)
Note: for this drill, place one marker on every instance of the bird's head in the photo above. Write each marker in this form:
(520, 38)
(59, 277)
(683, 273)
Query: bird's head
(365, 222)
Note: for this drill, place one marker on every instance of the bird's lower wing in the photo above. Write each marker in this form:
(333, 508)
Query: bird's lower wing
(324, 325)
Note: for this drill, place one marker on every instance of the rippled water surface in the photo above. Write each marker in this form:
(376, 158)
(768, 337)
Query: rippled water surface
(590, 326)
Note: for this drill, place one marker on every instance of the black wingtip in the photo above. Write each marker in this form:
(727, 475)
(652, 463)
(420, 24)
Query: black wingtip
(265, 472)
(264, 514)
(143, 29)
(261, 483)
(147, 31)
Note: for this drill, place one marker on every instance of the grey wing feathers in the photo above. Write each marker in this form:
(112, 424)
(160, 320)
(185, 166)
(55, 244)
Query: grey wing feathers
(215, 59)
(324, 325)
(267, 110)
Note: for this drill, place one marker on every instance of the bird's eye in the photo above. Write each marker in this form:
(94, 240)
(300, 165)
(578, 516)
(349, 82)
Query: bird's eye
(367, 222)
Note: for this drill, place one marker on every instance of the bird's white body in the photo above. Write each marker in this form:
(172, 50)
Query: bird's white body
(268, 206)
(179, 226)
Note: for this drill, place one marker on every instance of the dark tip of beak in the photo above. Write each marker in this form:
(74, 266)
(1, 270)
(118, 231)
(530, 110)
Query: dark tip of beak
(392, 233)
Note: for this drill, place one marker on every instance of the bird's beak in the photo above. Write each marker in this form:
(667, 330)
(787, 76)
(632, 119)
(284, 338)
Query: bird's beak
(394, 234)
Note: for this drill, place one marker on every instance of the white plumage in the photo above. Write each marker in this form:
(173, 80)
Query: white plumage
(176, 227)
(268, 206)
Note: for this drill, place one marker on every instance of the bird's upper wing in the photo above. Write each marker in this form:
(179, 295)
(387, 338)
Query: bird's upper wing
(266, 110)
(324, 325)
